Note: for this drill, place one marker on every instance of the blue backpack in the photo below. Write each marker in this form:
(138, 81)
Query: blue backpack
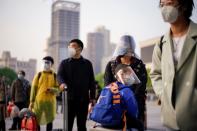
(109, 109)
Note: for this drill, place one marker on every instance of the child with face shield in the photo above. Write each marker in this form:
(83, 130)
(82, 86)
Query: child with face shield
(106, 108)
(126, 75)
(126, 78)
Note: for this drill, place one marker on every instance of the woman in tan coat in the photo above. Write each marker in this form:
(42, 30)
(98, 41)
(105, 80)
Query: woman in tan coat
(174, 67)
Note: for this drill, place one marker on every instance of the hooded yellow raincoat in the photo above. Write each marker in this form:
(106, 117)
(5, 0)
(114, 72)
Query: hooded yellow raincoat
(44, 102)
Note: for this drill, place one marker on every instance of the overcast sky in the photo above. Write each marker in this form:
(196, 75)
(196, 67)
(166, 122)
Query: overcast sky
(25, 25)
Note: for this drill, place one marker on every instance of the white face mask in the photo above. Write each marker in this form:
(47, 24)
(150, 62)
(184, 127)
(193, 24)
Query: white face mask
(71, 52)
(169, 13)
(20, 76)
(46, 66)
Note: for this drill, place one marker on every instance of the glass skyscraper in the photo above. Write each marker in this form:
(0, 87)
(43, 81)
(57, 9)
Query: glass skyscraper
(64, 27)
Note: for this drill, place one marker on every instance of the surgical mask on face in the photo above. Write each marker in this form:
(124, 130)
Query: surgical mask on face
(20, 76)
(128, 80)
(169, 13)
(46, 66)
(71, 52)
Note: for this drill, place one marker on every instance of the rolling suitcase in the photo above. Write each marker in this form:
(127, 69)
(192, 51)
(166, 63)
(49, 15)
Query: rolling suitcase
(65, 111)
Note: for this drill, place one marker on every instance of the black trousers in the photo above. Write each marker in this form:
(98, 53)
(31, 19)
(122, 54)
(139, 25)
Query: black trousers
(78, 109)
(2, 125)
(141, 101)
(49, 127)
(134, 123)
(2, 116)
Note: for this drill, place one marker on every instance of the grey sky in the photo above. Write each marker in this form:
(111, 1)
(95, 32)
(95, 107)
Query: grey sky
(25, 24)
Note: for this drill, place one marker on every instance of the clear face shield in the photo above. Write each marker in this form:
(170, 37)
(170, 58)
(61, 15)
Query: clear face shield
(127, 76)
(46, 65)
(126, 44)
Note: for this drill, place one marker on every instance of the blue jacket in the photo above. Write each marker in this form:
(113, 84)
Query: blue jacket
(128, 99)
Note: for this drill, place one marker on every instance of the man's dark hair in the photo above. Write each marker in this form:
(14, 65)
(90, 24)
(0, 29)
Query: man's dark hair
(186, 6)
(79, 42)
(49, 58)
(22, 72)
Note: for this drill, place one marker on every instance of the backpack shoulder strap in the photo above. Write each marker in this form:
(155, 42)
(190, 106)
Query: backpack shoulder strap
(55, 75)
(116, 94)
(117, 100)
(161, 43)
(39, 75)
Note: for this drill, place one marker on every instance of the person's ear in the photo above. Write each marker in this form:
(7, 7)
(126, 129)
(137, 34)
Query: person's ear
(116, 76)
(79, 49)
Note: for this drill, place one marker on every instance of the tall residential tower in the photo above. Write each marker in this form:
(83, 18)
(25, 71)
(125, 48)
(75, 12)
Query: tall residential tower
(64, 27)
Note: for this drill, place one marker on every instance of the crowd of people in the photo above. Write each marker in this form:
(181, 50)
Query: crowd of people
(75, 75)
(173, 75)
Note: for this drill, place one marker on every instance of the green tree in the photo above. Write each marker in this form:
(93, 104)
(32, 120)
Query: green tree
(9, 75)
(100, 78)
(149, 83)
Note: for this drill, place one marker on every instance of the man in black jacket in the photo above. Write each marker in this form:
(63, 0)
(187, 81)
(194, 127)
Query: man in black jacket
(76, 74)
(20, 93)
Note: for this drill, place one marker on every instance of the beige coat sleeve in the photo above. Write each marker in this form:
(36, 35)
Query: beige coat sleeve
(155, 73)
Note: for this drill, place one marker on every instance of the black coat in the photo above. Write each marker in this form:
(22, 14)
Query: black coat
(78, 75)
(138, 67)
(140, 89)
(20, 91)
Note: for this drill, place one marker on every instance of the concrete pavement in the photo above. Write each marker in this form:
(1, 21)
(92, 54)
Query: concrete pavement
(153, 120)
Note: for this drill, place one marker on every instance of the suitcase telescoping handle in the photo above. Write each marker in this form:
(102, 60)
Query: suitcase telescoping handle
(65, 109)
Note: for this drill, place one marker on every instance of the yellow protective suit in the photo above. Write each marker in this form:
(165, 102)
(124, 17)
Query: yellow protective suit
(44, 102)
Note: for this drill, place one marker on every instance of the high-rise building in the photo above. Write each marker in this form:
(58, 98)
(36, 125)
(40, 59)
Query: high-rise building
(11, 62)
(147, 47)
(64, 27)
(95, 50)
(106, 38)
(109, 57)
(99, 48)
(108, 47)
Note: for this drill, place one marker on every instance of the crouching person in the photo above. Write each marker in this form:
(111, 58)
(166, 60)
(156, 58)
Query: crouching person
(117, 106)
